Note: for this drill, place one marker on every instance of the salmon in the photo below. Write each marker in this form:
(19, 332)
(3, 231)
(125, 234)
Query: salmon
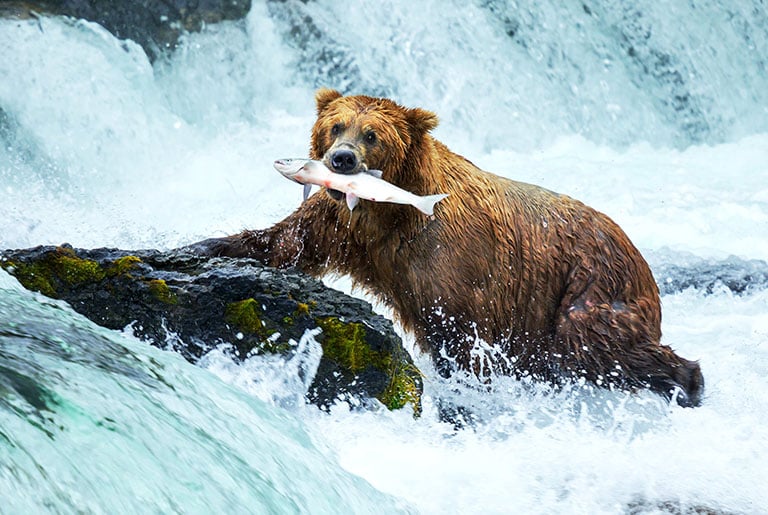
(367, 185)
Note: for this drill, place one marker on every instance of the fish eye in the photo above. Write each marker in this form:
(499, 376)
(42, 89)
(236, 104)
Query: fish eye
(336, 129)
(370, 137)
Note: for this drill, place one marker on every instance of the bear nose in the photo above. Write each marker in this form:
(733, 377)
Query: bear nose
(343, 161)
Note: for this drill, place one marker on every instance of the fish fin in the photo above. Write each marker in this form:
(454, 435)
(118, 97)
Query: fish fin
(427, 203)
(307, 190)
(351, 201)
(375, 173)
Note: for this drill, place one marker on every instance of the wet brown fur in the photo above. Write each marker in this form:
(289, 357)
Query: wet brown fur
(555, 284)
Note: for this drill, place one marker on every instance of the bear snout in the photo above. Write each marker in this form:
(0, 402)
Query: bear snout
(344, 161)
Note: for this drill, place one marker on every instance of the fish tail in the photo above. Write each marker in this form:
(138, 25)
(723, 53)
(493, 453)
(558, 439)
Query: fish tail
(427, 203)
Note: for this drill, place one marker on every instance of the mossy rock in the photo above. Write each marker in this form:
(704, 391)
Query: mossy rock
(123, 265)
(54, 271)
(192, 304)
(160, 290)
(345, 343)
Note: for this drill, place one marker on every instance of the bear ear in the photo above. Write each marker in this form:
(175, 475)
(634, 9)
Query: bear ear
(421, 120)
(325, 96)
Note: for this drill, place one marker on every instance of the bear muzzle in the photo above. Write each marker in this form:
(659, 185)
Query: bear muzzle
(344, 159)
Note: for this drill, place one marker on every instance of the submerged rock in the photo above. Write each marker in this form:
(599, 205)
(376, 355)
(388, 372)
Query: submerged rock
(155, 25)
(709, 275)
(192, 304)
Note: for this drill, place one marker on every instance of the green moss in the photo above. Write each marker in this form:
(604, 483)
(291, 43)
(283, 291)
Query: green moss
(344, 343)
(404, 388)
(160, 290)
(33, 277)
(59, 266)
(74, 271)
(303, 309)
(123, 265)
(246, 316)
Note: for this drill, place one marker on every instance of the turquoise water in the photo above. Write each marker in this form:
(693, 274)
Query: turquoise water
(93, 421)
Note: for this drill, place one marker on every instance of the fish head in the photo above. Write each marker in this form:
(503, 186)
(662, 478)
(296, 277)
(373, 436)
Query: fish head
(290, 167)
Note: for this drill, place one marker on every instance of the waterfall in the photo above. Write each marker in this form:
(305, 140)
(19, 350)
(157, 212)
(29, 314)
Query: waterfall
(655, 113)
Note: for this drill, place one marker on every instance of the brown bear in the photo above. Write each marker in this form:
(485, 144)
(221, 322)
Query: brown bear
(505, 278)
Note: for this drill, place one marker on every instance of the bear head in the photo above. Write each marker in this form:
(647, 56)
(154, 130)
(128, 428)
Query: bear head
(357, 133)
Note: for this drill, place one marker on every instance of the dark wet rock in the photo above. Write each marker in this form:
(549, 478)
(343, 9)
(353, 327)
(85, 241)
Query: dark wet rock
(708, 275)
(323, 59)
(156, 25)
(192, 304)
(643, 506)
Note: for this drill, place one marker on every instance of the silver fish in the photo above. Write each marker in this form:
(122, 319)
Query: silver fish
(366, 185)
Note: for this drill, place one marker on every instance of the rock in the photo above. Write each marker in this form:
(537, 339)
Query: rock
(642, 506)
(194, 303)
(708, 275)
(155, 25)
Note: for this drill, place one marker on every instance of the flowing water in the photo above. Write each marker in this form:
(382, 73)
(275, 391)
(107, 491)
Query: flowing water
(655, 113)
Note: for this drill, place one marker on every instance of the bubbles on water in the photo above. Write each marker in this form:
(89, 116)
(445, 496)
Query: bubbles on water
(272, 378)
(503, 406)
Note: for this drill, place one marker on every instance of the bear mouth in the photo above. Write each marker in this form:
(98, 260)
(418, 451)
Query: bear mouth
(358, 168)
(335, 194)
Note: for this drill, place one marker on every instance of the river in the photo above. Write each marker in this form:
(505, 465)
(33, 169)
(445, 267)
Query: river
(655, 113)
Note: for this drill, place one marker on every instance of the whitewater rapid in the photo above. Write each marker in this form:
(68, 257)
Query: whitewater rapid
(100, 147)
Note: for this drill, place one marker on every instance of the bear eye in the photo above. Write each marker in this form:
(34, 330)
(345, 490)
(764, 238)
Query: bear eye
(336, 129)
(370, 137)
